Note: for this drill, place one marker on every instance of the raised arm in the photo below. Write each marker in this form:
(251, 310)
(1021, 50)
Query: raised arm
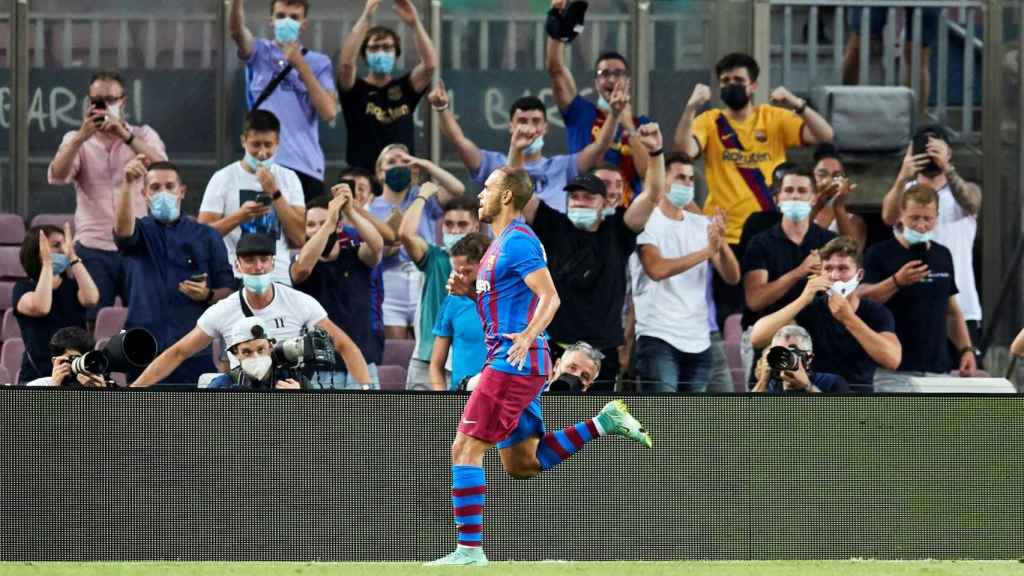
(324, 100)
(891, 202)
(684, 141)
(39, 302)
(190, 345)
(314, 248)
(348, 62)
(563, 86)
(967, 194)
(240, 33)
(883, 347)
(765, 328)
(293, 218)
(640, 210)
(423, 72)
(546, 304)
(761, 293)
(722, 256)
(408, 230)
(371, 251)
(134, 177)
(590, 156)
(816, 129)
(450, 185)
(468, 152)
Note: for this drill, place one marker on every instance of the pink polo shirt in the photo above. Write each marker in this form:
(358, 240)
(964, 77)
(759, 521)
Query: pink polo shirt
(97, 173)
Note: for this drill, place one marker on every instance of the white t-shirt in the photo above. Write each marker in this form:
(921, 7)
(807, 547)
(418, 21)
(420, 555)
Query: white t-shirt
(232, 186)
(290, 314)
(956, 230)
(674, 309)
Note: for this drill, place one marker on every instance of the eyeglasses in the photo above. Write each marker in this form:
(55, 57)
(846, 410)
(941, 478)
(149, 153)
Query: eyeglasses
(107, 99)
(613, 73)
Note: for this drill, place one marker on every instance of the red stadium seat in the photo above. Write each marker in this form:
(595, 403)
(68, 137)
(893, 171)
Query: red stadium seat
(6, 294)
(11, 355)
(10, 327)
(109, 321)
(392, 377)
(10, 263)
(397, 352)
(12, 229)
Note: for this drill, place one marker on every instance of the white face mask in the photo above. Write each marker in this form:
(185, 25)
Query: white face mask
(114, 111)
(845, 288)
(258, 367)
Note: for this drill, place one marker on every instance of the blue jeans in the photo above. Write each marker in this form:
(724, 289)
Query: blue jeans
(662, 368)
(343, 380)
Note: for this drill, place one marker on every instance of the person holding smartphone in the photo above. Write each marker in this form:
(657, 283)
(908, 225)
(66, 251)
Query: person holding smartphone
(93, 158)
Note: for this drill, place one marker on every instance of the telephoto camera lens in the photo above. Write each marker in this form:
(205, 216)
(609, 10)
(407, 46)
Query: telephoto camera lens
(92, 362)
(783, 359)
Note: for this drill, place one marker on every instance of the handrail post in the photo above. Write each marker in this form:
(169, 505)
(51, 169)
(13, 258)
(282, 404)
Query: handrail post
(641, 54)
(18, 133)
(762, 24)
(433, 127)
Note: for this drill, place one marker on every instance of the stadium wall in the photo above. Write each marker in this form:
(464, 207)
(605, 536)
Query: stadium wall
(148, 475)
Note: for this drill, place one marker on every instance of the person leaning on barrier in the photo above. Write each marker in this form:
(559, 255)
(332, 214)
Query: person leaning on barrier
(287, 312)
(854, 335)
(249, 340)
(93, 159)
(785, 366)
(379, 109)
(66, 345)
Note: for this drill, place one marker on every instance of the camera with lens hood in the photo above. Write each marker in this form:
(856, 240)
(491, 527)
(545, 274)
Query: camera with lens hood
(129, 350)
(315, 350)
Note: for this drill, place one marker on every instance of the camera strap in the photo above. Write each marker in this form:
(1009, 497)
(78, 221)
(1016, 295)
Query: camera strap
(246, 311)
(274, 83)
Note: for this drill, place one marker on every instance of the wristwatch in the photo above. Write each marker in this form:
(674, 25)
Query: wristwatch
(275, 195)
(801, 108)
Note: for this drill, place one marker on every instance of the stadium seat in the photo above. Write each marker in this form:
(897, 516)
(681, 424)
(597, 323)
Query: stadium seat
(10, 327)
(57, 220)
(397, 352)
(391, 377)
(10, 263)
(12, 229)
(109, 321)
(11, 355)
(6, 294)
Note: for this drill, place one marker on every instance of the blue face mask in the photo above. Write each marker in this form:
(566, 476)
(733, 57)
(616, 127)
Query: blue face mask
(914, 237)
(60, 264)
(795, 210)
(286, 30)
(258, 283)
(164, 207)
(680, 195)
(398, 178)
(608, 212)
(583, 218)
(255, 163)
(603, 104)
(451, 239)
(535, 148)
(381, 62)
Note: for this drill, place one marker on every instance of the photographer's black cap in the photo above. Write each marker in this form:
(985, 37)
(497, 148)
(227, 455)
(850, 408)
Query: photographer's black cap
(256, 244)
(588, 183)
(566, 26)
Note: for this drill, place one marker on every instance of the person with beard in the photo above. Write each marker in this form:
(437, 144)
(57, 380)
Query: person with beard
(742, 144)
(250, 342)
(335, 267)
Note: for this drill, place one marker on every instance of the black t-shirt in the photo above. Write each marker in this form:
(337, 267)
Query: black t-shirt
(378, 116)
(36, 332)
(589, 270)
(756, 223)
(342, 287)
(920, 309)
(835, 349)
(771, 250)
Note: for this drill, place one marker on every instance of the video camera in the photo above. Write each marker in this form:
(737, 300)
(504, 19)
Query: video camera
(131, 349)
(314, 350)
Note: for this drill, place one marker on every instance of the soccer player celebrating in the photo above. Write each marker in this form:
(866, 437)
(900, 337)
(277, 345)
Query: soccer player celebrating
(516, 300)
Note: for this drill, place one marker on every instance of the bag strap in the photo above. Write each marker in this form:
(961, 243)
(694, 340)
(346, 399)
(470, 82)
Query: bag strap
(246, 311)
(274, 83)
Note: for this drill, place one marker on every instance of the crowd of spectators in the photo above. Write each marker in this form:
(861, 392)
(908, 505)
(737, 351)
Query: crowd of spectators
(649, 274)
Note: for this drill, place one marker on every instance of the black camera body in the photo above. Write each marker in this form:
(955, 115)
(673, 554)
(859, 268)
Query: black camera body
(131, 349)
(314, 350)
(781, 359)
(921, 147)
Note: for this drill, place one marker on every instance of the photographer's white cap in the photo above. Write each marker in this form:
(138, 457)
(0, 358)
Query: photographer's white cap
(246, 329)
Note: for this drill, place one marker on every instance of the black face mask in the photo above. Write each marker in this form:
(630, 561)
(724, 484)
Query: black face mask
(567, 383)
(735, 96)
(331, 241)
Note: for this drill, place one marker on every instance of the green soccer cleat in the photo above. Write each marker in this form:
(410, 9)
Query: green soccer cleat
(617, 421)
(463, 556)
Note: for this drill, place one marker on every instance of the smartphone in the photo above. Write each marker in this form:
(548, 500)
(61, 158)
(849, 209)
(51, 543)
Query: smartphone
(197, 277)
(264, 200)
(99, 104)
(921, 147)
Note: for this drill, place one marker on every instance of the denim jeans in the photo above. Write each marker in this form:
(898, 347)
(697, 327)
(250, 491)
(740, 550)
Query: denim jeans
(343, 380)
(662, 368)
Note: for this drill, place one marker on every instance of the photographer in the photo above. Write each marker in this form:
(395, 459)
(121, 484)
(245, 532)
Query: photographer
(66, 345)
(785, 366)
(288, 312)
(577, 369)
(249, 342)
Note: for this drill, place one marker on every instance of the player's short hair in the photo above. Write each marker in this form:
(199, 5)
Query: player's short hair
(261, 121)
(303, 3)
(738, 60)
(472, 246)
(919, 194)
(594, 354)
(526, 104)
(518, 181)
(611, 55)
(842, 246)
(71, 338)
(678, 158)
(463, 203)
(377, 32)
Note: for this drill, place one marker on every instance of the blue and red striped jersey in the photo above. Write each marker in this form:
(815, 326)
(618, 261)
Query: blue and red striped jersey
(505, 303)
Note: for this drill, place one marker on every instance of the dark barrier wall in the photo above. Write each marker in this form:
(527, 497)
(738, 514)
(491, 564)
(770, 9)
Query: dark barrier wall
(93, 475)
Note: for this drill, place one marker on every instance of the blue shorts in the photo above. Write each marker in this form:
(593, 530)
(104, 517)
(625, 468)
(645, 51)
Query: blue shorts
(879, 16)
(531, 424)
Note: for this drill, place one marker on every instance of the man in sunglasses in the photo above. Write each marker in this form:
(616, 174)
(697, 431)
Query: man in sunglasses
(93, 159)
(799, 379)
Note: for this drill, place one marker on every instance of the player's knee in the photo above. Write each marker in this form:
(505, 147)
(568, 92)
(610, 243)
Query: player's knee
(520, 471)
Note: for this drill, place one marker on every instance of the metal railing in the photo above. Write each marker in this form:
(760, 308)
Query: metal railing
(783, 50)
